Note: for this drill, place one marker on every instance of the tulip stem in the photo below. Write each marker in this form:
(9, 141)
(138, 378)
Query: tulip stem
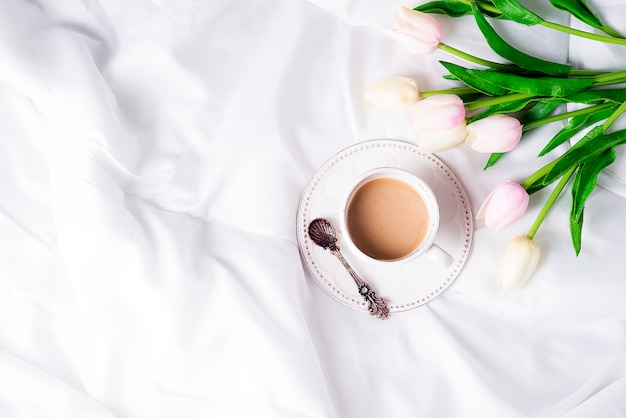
(473, 58)
(497, 100)
(565, 115)
(456, 90)
(583, 34)
(609, 78)
(550, 202)
(537, 174)
(607, 123)
(581, 73)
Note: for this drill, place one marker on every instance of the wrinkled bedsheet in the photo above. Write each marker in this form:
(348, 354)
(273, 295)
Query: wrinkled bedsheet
(153, 157)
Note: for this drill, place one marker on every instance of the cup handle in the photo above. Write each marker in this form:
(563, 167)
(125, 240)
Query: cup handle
(439, 256)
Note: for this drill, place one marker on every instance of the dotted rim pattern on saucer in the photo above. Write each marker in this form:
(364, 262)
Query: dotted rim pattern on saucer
(305, 217)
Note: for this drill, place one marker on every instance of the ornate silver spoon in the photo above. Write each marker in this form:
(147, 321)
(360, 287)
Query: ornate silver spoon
(323, 234)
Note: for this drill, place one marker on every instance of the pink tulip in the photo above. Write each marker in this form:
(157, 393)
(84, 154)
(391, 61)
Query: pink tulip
(495, 133)
(419, 32)
(438, 112)
(440, 140)
(439, 122)
(504, 205)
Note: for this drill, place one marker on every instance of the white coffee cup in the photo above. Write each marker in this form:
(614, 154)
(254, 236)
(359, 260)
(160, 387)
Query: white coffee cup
(392, 216)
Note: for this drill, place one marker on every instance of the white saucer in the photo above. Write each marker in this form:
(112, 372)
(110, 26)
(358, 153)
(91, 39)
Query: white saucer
(405, 286)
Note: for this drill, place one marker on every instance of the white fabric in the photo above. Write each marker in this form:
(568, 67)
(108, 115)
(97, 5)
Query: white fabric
(153, 157)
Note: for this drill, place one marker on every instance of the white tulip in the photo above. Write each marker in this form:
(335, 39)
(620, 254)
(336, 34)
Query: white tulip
(440, 140)
(519, 261)
(393, 94)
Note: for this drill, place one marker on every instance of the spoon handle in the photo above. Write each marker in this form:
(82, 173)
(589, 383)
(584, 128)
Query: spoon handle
(377, 306)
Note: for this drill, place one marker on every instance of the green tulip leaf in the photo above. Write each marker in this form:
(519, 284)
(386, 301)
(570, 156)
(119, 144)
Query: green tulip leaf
(577, 124)
(540, 86)
(493, 158)
(588, 97)
(497, 83)
(599, 95)
(506, 51)
(576, 231)
(566, 161)
(455, 8)
(580, 10)
(450, 8)
(507, 107)
(584, 183)
(539, 110)
(585, 180)
(587, 149)
(515, 11)
(471, 97)
(477, 83)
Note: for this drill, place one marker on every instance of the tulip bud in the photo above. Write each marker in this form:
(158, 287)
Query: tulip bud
(441, 111)
(419, 32)
(519, 261)
(440, 140)
(495, 133)
(392, 94)
(439, 121)
(504, 205)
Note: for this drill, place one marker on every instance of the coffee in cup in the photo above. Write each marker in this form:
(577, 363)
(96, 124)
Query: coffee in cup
(392, 215)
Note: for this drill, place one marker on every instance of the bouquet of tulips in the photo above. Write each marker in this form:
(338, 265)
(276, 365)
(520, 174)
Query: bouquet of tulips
(496, 103)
